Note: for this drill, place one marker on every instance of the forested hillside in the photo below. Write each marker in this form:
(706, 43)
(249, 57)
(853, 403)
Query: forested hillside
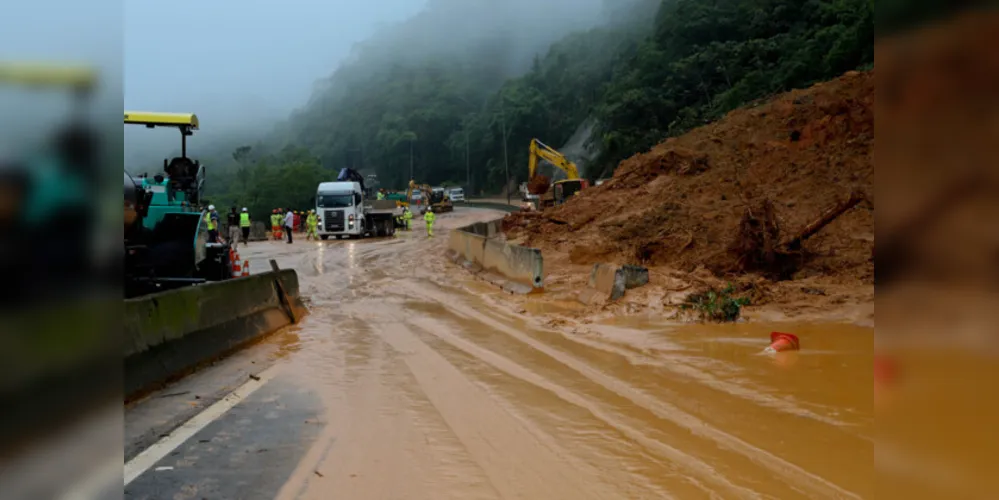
(440, 102)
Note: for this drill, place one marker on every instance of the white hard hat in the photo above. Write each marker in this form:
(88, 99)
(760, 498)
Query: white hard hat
(211, 207)
(244, 209)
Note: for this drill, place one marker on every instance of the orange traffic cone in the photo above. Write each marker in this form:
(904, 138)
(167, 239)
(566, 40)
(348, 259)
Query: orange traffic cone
(234, 259)
(782, 342)
(246, 268)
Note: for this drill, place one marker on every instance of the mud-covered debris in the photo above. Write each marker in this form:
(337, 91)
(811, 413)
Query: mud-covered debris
(682, 204)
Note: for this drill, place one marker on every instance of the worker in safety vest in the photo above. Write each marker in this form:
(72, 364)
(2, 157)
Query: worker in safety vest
(381, 194)
(408, 217)
(275, 225)
(429, 218)
(244, 225)
(212, 224)
(311, 223)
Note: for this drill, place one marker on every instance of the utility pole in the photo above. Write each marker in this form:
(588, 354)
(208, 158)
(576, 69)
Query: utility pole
(468, 165)
(506, 155)
(411, 160)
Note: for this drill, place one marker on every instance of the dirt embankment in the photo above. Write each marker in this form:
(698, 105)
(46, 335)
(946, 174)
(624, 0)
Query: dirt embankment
(727, 202)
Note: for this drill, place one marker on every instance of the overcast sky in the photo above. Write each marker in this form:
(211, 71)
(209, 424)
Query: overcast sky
(237, 63)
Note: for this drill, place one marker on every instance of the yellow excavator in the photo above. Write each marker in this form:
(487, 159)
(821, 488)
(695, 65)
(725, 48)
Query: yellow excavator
(436, 198)
(549, 194)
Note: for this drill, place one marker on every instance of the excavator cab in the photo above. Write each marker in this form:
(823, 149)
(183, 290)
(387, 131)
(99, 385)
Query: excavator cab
(566, 189)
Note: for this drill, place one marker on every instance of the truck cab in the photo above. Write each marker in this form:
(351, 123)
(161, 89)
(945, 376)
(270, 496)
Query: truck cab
(344, 212)
(339, 206)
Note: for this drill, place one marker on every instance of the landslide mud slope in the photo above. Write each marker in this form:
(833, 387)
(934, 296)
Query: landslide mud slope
(678, 207)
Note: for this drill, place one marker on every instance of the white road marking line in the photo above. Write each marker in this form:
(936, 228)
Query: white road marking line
(145, 460)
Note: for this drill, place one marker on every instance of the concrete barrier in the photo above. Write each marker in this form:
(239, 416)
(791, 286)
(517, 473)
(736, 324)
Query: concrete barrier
(170, 333)
(479, 249)
(608, 282)
(258, 231)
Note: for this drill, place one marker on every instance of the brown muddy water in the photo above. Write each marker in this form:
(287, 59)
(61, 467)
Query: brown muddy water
(434, 390)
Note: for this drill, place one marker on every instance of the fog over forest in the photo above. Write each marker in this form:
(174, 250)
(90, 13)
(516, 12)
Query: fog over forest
(246, 66)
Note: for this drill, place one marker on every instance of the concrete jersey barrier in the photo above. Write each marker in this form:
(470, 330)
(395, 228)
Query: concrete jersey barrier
(172, 332)
(513, 267)
(608, 282)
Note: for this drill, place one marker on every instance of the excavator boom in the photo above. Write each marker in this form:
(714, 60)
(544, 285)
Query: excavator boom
(548, 153)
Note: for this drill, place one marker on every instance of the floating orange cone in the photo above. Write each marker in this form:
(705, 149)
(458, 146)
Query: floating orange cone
(782, 342)
(246, 268)
(885, 382)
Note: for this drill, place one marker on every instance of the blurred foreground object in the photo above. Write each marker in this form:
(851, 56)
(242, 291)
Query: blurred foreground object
(57, 325)
(48, 215)
(937, 261)
(79, 78)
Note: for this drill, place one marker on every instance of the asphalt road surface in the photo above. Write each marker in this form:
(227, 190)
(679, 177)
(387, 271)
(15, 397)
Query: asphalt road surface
(411, 380)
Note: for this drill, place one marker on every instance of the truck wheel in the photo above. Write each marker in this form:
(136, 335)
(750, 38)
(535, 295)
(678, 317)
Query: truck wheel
(324, 237)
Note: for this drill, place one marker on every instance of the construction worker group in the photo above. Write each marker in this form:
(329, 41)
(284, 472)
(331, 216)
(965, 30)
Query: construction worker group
(238, 224)
(285, 223)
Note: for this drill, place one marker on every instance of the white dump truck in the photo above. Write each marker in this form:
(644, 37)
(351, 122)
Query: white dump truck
(344, 210)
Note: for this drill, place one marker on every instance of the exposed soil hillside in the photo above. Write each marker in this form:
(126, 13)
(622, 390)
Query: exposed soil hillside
(679, 208)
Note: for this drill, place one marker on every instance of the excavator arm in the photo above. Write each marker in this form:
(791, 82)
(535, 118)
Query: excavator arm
(545, 152)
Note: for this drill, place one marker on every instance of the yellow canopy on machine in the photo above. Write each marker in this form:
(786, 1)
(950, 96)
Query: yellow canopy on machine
(48, 75)
(154, 119)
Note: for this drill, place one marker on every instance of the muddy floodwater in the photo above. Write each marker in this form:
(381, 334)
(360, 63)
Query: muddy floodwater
(428, 387)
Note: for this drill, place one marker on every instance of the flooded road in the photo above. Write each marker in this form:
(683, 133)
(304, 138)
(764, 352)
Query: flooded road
(411, 380)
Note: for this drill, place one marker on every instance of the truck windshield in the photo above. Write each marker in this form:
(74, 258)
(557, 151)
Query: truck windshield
(335, 200)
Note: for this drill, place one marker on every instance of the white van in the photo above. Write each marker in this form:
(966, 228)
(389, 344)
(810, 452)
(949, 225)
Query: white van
(457, 194)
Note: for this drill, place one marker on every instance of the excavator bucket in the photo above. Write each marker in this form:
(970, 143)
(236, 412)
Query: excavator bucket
(538, 185)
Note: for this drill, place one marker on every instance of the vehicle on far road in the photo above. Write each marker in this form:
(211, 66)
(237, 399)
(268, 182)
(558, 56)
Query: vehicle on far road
(344, 211)
(457, 194)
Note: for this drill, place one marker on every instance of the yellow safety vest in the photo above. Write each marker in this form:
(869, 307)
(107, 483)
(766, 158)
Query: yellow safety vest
(244, 220)
(429, 217)
(208, 221)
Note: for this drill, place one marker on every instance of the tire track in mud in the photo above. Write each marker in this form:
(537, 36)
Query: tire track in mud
(383, 438)
(708, 479)
(800, 479)
(518, 463)
(626, 465)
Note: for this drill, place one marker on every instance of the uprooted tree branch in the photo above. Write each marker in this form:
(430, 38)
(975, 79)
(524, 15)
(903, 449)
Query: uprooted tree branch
(759, 246)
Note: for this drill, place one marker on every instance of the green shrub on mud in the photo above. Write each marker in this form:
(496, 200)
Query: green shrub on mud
(716, 305)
